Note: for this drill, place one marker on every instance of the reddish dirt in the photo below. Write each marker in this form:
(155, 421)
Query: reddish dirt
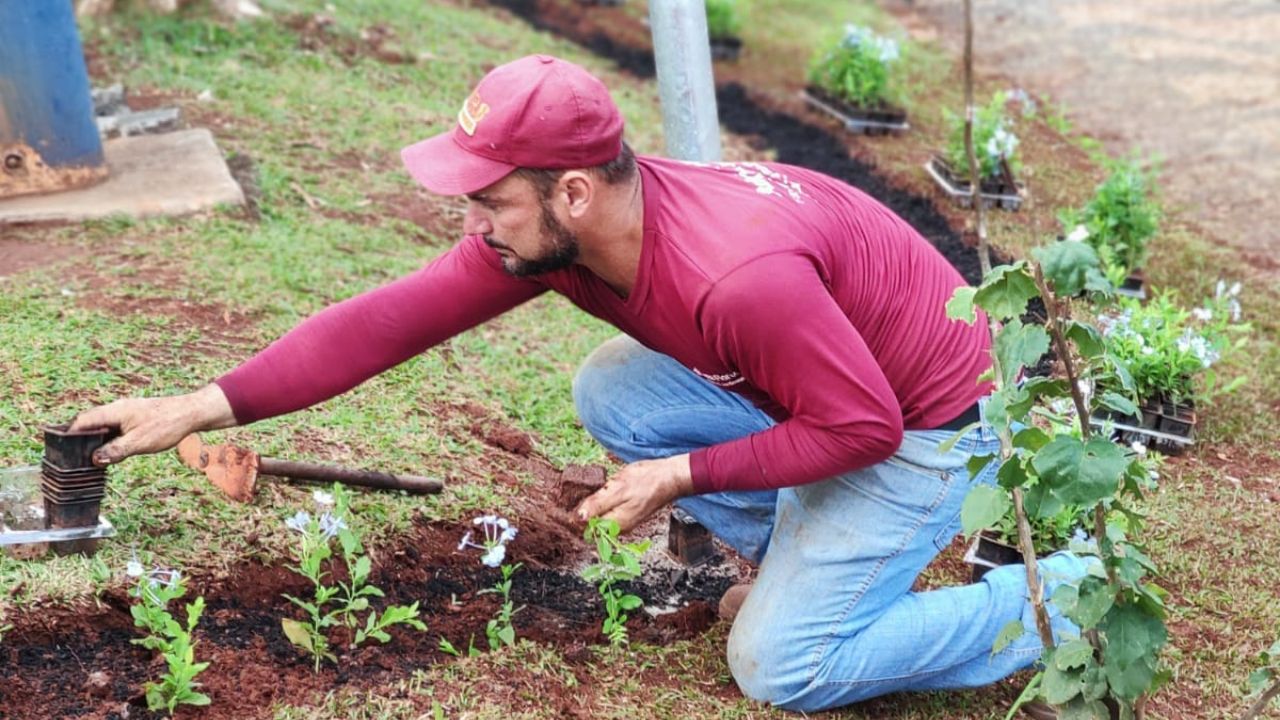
(19, 255)
(62, 663)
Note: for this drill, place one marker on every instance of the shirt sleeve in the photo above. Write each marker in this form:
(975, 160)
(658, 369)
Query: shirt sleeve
(350, 342)
(774, 320)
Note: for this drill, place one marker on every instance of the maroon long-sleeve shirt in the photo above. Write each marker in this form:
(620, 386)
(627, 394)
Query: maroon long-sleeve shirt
(790, 287)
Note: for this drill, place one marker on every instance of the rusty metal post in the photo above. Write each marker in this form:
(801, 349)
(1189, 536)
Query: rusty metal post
(48, 138)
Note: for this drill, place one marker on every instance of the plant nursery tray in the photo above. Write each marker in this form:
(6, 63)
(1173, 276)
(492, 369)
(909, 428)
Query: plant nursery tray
(961, 194)
(857, 120)
(1167, 443)
(9, 536)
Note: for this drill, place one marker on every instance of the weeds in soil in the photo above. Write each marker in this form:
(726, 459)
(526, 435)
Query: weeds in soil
(619, 562)
(350, 598)
(155, 589)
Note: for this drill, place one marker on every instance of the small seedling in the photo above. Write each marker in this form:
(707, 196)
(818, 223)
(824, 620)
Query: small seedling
(499, 629)
(993, 140)
(497, 532)
(155, 590)
(348, 599)
(619, 562)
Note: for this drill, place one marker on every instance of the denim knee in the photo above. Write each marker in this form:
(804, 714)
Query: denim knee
(762, 666)
(595, 385)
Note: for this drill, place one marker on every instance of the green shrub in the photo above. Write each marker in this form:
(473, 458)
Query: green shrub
(1169, 351)
(855, 68)
(1119, 219)
(993, 139)
(723, 20)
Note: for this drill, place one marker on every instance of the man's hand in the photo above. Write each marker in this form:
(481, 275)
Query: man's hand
(639, 490)
(151, 425)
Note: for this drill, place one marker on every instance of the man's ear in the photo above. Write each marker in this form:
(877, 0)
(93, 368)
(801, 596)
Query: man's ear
(577, 190)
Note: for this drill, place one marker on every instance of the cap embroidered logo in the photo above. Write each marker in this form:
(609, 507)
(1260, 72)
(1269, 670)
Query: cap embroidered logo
(472, 112)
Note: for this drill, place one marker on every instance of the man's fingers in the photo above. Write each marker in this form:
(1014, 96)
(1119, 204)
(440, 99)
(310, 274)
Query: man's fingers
(94, 418)
(597, 503)
(113, 452)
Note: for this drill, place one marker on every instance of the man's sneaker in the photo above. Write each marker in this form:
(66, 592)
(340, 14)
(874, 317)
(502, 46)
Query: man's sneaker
(731, 601)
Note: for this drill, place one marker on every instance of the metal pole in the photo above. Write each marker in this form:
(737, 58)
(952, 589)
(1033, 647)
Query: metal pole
(686, 87)
(48, 138)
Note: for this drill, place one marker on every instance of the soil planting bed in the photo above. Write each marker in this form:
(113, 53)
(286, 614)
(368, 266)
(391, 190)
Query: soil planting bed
(62, 663)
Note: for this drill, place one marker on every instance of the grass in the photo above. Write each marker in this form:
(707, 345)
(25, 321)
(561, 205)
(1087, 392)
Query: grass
(137, 308)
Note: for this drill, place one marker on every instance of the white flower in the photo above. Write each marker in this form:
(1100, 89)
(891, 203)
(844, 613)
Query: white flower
(322, 498)
(133, 569)
(299, 521)
(1202, 314)
(466, 541)
(1220, 289)
(888, 50)
(1235, 289)
(331, 524)
(1079, 234)
(495, 555)
(508, 535)
(1233, 307)
(1138, 447)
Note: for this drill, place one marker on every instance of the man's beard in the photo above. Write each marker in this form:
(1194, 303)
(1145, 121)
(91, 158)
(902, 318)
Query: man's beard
(562, 253)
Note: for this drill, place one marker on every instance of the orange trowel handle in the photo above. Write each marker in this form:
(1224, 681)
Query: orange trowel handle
(347, 476)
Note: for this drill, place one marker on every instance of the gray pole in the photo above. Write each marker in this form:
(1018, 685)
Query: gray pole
(685, 83)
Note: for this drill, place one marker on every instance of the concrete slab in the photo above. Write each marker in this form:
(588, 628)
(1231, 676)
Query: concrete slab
(170, 174)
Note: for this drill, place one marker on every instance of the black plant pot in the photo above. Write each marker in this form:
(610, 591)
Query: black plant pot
(726, 48)
(986, 554)
(879, 120)
(67, 450)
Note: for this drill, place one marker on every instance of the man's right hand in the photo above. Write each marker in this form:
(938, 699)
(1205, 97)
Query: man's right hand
(151, 425)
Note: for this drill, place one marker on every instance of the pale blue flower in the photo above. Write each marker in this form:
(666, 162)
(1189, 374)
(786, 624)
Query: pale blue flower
(299, 521)
(466, 541)
(494, 556)
(133, 568)
(331, 524)
(322, 498)
(1079, 234)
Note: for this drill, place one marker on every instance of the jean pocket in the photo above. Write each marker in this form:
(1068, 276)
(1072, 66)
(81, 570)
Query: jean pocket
(902, 463)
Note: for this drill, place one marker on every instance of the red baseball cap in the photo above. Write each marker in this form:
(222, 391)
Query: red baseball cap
(536, 112)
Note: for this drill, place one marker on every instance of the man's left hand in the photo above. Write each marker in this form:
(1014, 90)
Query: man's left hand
(639, 490)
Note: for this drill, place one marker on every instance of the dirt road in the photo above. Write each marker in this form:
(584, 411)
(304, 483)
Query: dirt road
(1195, 81)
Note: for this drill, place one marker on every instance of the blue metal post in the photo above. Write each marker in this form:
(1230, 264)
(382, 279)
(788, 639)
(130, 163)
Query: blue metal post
(48, 138)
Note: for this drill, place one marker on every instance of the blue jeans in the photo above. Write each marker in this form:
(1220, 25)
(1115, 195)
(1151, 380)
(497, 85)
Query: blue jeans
(831, 618)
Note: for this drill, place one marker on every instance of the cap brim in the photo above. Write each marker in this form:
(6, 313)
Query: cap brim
(444, 168)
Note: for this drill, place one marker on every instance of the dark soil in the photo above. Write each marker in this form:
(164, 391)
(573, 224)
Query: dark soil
(81, 663)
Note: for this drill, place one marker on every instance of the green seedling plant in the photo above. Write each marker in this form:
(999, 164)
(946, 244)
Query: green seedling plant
(1264, 682)
(856, 67)
(619, 562)
(1169, 351)
(723, 20)
(496, 532)
(342, 603)
(993, 140)
(1119, 219)
(1051, 459)
(155, 589)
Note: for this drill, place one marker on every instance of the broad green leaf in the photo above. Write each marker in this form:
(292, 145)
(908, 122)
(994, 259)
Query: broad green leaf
(1005, 291)
(1259, 679)
(629, 602)
(1058, 463)
(1129, 681)
(1031, 438)
(1018, 346)
(977, 463)
(1073, 654)
(1086, 337)
(1058, 687)
(1070, 268)
(196, 698)
(1095, 600)
(1119, 403)
(1102, 464)
(1083, 709)
(1095, 683)
(297, 634)
(1012, 474)
(1131, 635)
(960, 306)
(1040, 501)
(982, 508)
(1011, 631)
(950, 442)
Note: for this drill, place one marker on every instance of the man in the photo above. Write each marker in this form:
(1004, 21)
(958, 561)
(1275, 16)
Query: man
(787, 376)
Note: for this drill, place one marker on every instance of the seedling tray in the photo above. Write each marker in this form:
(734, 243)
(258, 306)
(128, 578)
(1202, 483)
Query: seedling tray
(962, 194)
(1167, 443)
(858, 120)
(9, 536)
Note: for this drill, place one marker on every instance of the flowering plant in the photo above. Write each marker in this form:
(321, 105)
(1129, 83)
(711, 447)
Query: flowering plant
(1118, 220)
(722, 19)
(349, 599)
(1166, 349)
(155, 589)
(619, 562)
(855, 68)
(498, 531)
(993, 140)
